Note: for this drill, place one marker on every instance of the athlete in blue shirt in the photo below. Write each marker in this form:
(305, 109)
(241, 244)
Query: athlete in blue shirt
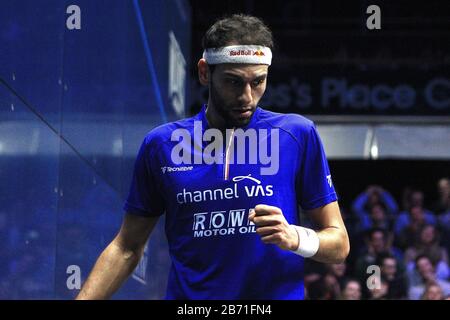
(229, 181)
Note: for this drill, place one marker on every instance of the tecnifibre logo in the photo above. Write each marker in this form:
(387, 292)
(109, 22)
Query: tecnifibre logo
(238, 146)
(176, 169)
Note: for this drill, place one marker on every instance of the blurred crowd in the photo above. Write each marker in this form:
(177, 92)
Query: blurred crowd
(399, 249)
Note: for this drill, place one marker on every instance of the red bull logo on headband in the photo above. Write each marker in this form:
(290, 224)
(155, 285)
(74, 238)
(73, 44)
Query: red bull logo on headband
(259, 53)
(240, 52)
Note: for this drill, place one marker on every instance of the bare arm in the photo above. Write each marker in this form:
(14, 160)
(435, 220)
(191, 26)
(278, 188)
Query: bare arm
(119, 259)
(334, 243)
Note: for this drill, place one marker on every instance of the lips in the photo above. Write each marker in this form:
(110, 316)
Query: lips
(242, 112)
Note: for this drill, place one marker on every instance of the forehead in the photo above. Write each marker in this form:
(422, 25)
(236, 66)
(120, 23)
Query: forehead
(353, 285)
(444, 182)
(435, 288)
(423, 261)
(377, 235)
(242, 70)
(389, 261)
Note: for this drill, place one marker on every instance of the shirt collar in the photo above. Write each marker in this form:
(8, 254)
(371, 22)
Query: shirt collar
(253, 120)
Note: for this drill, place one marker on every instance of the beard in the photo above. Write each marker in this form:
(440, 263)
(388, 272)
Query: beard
(227, 109)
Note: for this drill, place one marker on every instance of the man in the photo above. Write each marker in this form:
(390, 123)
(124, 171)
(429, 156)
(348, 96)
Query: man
(377, 245)
(427, 273)
(397, 285)
(442, 204)
(409, 224)
(232, 225)
(433, 292)
(351, 290)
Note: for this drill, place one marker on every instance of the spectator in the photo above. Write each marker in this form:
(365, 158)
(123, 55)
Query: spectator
(313, 271)
(379, 291)
(416, 198)
(321, 289)
(444, 227)
(426, 271)
(442, 208)
(377, 218)
(409, 224)
(433, 292)
(376, 245)
(395, 280)
(351, 290)
(325, 284)
(372, 196)
(442, 204)
(338, 270)
(428, 243)
(332, 286)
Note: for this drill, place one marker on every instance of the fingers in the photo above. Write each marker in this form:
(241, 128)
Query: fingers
(263, 209)
(274, 238)
(272, 227)
(264, 215)
(266, 231)
(261, 221)
(283, 239)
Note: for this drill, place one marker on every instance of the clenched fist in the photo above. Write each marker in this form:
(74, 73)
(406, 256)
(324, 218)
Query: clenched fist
(273, 228)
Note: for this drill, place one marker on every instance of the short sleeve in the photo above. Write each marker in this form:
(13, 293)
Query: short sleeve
(144, 197)
(314, 184)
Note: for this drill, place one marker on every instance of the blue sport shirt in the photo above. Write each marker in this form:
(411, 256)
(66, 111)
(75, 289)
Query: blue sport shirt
(215, 251)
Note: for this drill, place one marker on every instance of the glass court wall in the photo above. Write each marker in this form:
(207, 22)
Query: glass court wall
(81, 83)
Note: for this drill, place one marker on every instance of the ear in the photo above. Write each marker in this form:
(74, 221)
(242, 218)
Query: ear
(203, 72)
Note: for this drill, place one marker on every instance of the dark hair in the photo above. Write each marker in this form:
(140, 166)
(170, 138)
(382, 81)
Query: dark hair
(317, 290)
(348, 280)
(418, 235)
(383, 256)
(372, 231)
(422, 256)
(239, 29)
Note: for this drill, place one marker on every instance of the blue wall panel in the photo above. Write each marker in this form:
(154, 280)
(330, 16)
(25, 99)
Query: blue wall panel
(74, 107)
(28, 202)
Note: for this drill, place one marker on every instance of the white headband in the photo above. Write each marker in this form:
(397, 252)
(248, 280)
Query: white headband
(238, 54)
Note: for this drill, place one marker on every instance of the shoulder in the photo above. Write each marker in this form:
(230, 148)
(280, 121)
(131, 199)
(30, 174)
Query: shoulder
(286, 121)
(297, 126)
(162, 133)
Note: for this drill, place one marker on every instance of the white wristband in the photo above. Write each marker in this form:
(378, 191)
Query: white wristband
(308, 242)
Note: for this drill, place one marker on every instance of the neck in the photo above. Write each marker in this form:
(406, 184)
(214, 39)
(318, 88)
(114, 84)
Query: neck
(215, 120)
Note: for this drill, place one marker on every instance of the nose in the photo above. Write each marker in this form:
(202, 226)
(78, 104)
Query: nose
(246, 96)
